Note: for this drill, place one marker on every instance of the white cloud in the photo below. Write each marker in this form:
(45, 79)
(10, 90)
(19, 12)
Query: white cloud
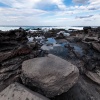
(80, 1)
(33, 3)
(29, 12)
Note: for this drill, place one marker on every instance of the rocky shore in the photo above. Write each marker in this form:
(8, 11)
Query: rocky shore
(55, 64)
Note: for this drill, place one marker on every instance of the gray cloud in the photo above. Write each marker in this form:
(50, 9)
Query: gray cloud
(93, 8)
(81, 17)
(80, 1)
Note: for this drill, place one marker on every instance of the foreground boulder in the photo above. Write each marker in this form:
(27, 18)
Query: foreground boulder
(18, 92)
(51, 74)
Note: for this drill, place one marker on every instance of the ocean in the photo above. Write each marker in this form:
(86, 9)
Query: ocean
(7, 28)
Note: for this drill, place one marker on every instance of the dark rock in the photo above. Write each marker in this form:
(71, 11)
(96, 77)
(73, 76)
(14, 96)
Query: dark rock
(12, 38)
(86, 29)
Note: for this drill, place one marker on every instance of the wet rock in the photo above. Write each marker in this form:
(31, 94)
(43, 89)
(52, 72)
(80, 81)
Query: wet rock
(50, 74)
(64, 33)
(60, 36)
(45, 47)
(33, 45)
(94, 76)
(17, 91)
(96, 46)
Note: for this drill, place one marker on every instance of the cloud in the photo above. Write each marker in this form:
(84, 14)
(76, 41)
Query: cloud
(80, 1)
(33, 3)
(49, 12)
(81, 17)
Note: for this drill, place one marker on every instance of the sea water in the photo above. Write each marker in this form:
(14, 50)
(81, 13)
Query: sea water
(7, 28)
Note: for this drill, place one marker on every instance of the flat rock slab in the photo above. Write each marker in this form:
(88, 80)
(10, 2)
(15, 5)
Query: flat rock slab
(93, 76)
(96, 46)
(84, 89)
(19, 92)
(50, 74)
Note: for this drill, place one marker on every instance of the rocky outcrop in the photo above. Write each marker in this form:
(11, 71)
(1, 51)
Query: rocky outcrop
(17, 91)
(12, 38)
(50, 74)
(14, 49)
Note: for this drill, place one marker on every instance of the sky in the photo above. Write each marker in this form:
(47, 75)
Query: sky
(50, 12)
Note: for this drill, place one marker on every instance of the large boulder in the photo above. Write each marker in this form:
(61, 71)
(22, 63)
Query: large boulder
(19, 92)
(51, 74)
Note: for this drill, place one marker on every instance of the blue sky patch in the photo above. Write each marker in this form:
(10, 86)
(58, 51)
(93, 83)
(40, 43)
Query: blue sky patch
(3, 5)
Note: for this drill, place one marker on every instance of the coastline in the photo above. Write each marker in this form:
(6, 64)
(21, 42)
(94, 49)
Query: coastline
(80, 48)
